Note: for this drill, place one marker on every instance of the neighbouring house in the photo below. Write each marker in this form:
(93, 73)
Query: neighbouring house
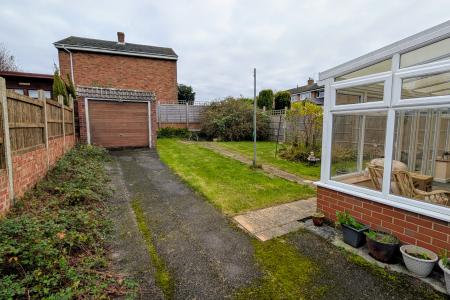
(28, 84)
(118, 86)
(312, 91)
(386, 139)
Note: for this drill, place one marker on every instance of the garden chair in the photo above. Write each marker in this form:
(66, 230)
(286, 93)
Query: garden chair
(376, 175)
(376, 168)
(405, 184)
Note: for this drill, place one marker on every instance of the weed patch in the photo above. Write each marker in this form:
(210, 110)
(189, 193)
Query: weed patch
(162, 276)
(53, 243)
(287, 273)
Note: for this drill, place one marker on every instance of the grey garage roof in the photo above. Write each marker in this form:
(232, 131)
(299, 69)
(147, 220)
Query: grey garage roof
(114, 94)
(94, 45)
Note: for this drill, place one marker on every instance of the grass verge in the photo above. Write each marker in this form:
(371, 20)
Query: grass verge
(230, 185)
(162, 276)
(53, 243)
(266, 155)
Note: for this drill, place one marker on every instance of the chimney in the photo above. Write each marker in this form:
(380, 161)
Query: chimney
(310, 81)
(121, 37)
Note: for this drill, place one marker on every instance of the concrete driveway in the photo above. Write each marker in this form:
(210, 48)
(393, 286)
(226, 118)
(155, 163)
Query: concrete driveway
(207, 257)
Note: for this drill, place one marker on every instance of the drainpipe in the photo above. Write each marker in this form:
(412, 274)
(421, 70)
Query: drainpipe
(71, 64)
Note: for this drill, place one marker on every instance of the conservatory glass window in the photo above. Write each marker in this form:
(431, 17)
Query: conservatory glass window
(372, 69)
(426, 86)
(430, 53)
(422, 155)
(358, 141)
(360, 94)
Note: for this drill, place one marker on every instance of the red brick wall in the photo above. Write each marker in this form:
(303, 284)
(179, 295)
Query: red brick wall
(123, 72)
(4, 193)
(31, 166)
(410, 228)
(81, 120)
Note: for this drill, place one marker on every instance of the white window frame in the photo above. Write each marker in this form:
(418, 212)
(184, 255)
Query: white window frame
(391, 104)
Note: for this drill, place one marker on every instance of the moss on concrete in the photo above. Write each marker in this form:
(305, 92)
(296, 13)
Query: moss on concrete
(287, 273)
(162, 276)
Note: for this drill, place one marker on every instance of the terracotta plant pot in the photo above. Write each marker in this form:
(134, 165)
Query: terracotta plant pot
(382, 251)
(318, 219)
(418, 265)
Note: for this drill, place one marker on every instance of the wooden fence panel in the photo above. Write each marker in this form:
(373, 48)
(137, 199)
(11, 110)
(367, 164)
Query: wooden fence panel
(68, 120)
(54, 119)
(26, 121)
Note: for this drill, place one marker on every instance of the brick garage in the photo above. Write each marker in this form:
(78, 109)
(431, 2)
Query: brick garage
(118, 65)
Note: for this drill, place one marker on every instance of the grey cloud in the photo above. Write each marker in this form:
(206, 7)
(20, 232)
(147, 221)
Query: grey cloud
(220, 41)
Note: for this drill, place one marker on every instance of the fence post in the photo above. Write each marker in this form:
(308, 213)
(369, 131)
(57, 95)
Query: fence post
(284, 124)
(41, 97)
(158, 117)
(6, 140)
(61, 101)
(187, 114)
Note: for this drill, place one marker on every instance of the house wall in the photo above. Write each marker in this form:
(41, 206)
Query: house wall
(410, 228)
(122, 72)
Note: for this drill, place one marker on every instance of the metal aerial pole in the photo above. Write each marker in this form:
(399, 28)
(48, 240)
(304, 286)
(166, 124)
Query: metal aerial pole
(254, 117)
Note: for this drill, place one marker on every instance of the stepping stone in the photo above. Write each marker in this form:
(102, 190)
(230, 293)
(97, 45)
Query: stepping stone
(275, 221)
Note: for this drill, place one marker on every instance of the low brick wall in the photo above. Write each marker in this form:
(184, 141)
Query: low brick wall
(30, 166)
(410, 228)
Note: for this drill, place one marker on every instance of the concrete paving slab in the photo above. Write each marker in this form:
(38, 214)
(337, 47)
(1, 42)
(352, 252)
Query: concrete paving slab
(275, 221)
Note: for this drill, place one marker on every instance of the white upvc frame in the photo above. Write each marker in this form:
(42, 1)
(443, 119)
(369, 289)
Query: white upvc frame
(415, 71)
(391, 104)
(385, 78)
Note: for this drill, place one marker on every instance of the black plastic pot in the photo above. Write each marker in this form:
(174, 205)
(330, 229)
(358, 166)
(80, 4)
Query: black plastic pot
(381, 251)
(354, 237)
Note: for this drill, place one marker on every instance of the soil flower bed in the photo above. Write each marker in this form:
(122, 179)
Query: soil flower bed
(53, 243)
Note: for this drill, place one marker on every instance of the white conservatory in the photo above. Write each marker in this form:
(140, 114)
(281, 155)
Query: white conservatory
(386, 133)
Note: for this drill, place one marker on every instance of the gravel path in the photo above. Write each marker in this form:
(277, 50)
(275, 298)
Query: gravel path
(207, 258)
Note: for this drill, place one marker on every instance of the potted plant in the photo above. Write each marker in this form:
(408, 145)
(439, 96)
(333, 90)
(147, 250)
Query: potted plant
(418, 260)
(318, 218)
(352, 231)
(444, 263)
(382, 246)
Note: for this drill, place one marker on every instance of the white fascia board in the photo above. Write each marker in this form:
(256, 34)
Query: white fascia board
(417, 40)
(128, 53)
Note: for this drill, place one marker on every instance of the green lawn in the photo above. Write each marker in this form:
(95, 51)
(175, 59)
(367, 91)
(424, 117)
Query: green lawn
(266, 155)
(228, 184)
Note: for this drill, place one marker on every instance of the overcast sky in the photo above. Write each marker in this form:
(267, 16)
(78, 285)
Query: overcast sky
(220, 41)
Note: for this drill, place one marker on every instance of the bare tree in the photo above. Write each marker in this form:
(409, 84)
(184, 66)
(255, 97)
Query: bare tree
(7, 60)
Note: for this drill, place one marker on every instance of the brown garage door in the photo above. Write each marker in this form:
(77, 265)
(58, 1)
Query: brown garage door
(118, 124)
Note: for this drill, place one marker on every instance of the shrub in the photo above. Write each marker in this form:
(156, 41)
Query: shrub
(265, 99)
(52, 244)
(232, 120)
(282, 99)
(310, 117)
(299, 152)
(171, 132)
